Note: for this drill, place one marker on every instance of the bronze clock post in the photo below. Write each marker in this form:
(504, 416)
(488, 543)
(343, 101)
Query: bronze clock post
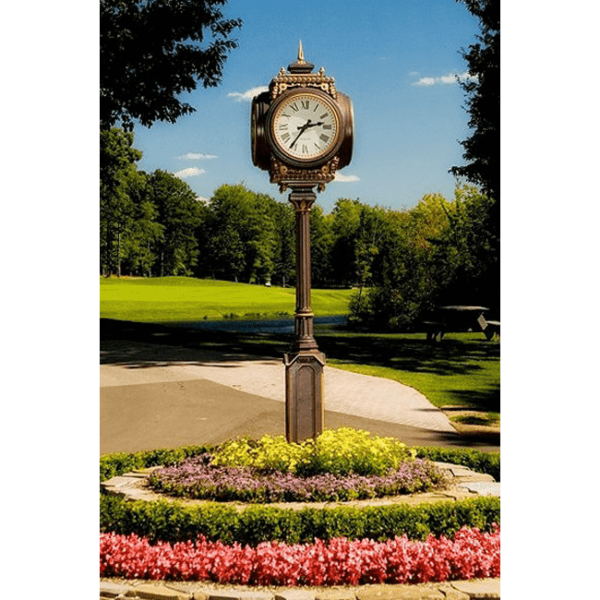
(302, 132)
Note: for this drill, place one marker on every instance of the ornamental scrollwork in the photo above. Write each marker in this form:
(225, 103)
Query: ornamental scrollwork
(284, 81)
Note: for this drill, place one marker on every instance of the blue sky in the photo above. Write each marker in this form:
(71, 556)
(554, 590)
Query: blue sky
(396, 59)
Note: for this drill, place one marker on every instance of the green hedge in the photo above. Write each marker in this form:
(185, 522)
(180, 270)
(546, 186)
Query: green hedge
(173, 522)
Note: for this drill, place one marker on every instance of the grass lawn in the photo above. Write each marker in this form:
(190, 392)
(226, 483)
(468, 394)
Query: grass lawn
(184, 299)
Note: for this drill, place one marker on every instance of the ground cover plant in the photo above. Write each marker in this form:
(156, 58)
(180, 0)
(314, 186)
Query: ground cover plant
(185, 299)
(340, 465)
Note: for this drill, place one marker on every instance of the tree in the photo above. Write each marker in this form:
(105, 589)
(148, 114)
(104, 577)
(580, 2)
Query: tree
(345, 224)
(117, 170)
(464, 256)
(321, 243)
(140, 246)
(532, 151)
(242, 233)
(153, 50)
(284, 254)
(485, 60)
(439, 252)
(179, 215)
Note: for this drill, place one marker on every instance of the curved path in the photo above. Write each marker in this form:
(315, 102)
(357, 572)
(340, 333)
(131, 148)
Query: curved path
(157, 394)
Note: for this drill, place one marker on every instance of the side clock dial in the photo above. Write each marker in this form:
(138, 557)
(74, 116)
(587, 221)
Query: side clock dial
(304, 126)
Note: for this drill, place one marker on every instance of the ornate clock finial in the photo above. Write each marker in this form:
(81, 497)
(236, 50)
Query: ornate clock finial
(301, 66)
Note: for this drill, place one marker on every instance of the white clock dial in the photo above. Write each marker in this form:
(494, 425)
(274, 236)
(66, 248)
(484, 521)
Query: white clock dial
(305, 127)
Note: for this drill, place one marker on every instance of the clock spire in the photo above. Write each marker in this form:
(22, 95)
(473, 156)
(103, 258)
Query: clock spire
(300, 66)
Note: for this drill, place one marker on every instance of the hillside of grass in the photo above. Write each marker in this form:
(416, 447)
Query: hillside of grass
(185, 299)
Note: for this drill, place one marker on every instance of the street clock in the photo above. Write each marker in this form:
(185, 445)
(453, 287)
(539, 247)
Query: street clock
(302, 128)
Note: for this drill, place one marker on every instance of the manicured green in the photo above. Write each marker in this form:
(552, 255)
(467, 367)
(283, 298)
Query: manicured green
(185, 299)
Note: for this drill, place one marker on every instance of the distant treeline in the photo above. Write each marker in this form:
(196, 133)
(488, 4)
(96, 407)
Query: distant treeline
(402, 262)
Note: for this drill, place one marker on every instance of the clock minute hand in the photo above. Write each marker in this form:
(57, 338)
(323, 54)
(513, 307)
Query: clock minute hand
(302, 129)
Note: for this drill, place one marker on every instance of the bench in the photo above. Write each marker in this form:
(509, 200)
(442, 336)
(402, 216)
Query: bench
(458, 317)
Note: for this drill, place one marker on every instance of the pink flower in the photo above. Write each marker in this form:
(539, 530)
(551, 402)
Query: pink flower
(470, 554)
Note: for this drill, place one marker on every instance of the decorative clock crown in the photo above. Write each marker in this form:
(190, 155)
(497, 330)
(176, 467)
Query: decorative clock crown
(301, 75)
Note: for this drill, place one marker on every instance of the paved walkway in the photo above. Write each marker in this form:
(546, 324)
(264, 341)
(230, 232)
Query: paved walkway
(156, 394)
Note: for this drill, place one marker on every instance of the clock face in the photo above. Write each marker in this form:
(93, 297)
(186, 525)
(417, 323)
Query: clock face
(305, 126)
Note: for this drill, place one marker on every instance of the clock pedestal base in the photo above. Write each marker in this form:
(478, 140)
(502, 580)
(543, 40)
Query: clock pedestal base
(303, 395)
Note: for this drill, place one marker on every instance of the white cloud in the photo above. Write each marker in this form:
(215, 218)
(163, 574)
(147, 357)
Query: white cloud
(249, 94)
(196, 156)
(449, 79)
(191, 172)
(424, 81)
(346, 178)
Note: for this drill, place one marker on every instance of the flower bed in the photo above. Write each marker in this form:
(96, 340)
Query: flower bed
(199, 478)
(266, 545)
(470, 554)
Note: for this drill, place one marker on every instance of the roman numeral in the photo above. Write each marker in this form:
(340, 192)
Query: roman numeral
(285, 137)
(304, 149)
(283, 126)
(294, 107)
(323, 115)
(326, 126)
(305, 103)
(324, 137)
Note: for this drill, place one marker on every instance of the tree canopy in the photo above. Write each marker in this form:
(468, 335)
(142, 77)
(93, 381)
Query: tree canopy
(153, 50)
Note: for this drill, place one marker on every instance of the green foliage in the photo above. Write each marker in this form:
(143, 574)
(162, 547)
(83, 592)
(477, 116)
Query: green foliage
(173, 522)
(152, 51)
(437, 253)
(340, 452)
(178, 213)
(118, 175)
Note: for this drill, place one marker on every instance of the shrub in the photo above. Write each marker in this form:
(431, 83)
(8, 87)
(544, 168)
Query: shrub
(173, 522)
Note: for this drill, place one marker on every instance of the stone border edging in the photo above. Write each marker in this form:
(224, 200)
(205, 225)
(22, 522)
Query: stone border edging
(163, 590)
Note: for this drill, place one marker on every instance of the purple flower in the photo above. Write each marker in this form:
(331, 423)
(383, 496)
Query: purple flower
(197, 478)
